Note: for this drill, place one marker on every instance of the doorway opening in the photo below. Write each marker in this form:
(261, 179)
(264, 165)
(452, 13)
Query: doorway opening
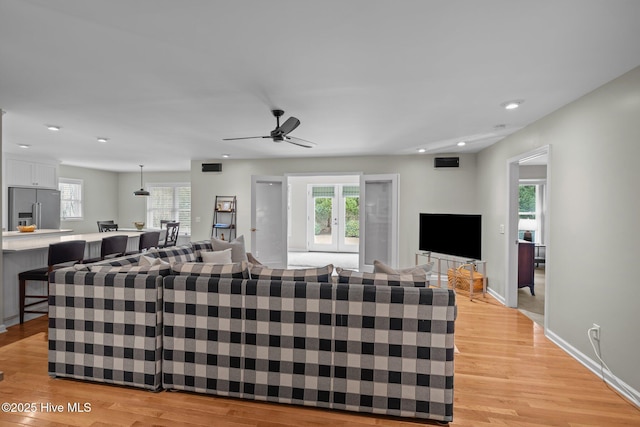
(528, 237)
(324, 222)
(531, 231)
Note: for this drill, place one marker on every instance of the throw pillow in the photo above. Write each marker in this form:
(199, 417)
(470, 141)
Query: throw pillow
(320, 274)
(162, 269)
(147, 260)
(238, 270)
(418, 280)
(380, 267)
(217, 257)
(238, 253)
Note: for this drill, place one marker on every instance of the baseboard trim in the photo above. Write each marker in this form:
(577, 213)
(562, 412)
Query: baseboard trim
(497, 296)
(614, 382)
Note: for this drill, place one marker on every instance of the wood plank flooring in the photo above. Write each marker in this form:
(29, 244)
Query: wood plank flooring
(506, 374)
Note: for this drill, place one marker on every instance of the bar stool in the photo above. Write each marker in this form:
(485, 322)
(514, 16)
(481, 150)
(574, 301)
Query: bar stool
(108, 225)
(147, 241)
(110, 247)
(171, 238)
(59, 254)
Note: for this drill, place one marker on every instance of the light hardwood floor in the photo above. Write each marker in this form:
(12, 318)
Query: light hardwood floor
(506, 374)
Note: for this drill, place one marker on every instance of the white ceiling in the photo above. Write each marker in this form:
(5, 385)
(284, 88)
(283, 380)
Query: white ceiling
(166, 80)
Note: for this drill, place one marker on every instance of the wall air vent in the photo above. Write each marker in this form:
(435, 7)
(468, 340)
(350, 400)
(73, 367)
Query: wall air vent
(446, 162)
(212, 167)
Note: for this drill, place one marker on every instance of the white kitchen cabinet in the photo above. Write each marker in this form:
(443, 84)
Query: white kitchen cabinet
(23, 173)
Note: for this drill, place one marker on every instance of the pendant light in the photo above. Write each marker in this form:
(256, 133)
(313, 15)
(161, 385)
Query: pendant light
(141, 191)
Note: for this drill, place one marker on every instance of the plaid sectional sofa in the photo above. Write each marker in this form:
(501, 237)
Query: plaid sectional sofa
(349, 346)
(106, 325)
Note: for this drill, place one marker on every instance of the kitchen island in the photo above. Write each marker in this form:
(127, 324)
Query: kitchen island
(21, 254)
(36, 233)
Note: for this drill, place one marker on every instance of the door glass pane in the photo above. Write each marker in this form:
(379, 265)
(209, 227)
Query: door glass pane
(270, 237)
(352, 220)
(323, 214)
(377, 217)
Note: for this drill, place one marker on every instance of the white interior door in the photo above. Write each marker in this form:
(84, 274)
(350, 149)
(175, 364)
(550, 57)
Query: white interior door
(378, 220)
(269, 220)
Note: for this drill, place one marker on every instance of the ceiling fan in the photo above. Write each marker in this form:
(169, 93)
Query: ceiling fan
(281, 133)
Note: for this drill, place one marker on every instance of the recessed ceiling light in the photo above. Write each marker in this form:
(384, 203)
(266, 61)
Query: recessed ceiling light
(53, 128)
(23, 145)
(103, 139)
(422, 150)
(512, 105)
(226, 156)
(461, 144)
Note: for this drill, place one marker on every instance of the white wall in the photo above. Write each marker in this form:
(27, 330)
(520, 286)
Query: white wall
(422, 188)
(109, 195)
(134, 208)
(594, 213)
(100, 191)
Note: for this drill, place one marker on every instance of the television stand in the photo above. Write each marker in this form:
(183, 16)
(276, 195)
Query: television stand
(440, 258)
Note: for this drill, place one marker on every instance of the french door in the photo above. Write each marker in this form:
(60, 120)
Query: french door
(378, 225)
(333, 219)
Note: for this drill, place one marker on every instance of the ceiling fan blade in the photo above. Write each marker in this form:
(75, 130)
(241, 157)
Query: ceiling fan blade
(299, 141)
(288, 126)
(246, 137)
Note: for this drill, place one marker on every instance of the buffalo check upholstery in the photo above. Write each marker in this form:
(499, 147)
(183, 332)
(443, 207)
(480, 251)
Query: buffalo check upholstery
(377, 349)
(174, 254)
(106, 327)
(320, 274)
(375, 343)
(406, 279)
(238, 270)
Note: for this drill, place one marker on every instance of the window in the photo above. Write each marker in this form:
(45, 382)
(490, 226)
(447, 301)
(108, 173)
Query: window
(170, 201)
(531, 211)
(70, 199)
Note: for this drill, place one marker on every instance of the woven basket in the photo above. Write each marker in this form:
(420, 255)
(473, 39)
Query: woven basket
(461, 277)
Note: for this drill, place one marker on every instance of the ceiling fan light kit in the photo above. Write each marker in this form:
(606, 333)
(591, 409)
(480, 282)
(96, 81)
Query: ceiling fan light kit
(281, 132)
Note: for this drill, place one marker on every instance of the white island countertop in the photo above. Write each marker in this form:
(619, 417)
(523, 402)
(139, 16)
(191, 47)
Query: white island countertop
(37, 233)
(43, 241)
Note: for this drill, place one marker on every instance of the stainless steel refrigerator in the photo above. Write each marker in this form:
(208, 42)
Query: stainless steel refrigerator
(34, 206)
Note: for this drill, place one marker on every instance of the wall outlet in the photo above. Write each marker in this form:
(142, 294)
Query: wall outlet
(501, 229)
(595, 332)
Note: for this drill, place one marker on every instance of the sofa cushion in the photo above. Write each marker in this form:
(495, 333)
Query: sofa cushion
(238, 253)
(216, 257)
(174, 254)
(418, 280)
(238, 270)
(125, 260)
(380, 267)
(162, 269)
(321, 274)
(203, 245)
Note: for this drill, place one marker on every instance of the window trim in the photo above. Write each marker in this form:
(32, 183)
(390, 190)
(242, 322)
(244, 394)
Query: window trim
(72, 181)
(150, 185)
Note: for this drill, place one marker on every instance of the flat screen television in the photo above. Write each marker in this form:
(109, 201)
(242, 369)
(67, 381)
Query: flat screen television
(451, 234)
